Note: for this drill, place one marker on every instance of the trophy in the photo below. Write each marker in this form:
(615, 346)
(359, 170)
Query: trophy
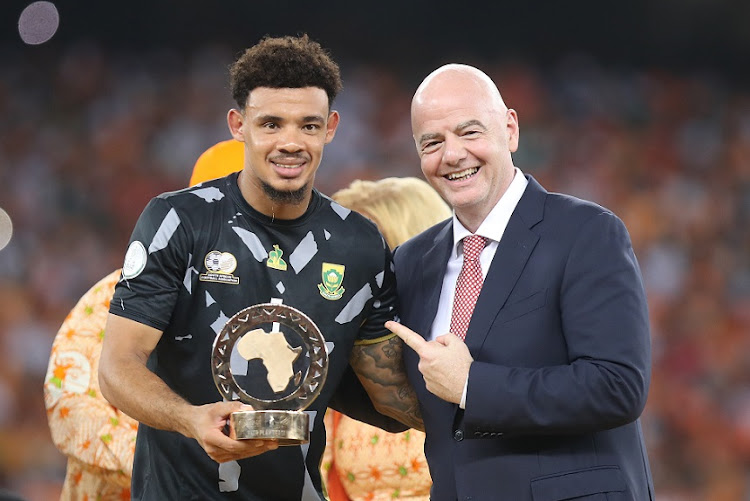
(272, 357)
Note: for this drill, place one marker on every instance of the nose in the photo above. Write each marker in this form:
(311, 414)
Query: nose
(454, 151)
(290, 141)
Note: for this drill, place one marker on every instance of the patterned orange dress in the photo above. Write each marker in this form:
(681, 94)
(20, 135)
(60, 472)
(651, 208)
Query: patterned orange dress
(365, 463)
(98, 439)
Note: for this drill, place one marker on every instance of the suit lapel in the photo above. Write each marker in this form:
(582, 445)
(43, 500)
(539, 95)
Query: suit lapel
(434, 262)
(512, 254)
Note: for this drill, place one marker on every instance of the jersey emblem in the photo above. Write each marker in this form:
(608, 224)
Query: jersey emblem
(333, 277)
(274, 259)
(135, 260)
(219, 268)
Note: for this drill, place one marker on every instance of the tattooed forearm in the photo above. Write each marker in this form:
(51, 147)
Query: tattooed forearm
(380, 368)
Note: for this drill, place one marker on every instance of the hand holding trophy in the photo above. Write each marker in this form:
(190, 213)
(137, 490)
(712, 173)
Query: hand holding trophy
(272, 357)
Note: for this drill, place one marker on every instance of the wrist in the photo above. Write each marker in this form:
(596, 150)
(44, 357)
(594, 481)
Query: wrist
(181, 420)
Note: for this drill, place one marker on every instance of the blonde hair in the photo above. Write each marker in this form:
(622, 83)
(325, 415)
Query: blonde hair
(401, 207)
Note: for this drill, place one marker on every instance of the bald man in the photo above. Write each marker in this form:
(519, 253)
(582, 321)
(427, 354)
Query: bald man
(526, 315)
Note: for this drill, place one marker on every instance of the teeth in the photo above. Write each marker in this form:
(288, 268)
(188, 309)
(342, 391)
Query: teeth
(285, 166)
(463, 174)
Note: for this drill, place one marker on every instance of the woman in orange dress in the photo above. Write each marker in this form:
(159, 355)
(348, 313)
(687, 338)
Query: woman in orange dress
(98, 439)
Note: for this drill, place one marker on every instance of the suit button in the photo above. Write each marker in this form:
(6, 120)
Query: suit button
(458, 435)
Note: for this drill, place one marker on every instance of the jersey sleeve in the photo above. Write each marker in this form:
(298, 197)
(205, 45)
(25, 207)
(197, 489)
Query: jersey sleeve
(155, 266)
(383, 306)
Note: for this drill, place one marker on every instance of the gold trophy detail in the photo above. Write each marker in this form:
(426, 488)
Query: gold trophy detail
(291, 355)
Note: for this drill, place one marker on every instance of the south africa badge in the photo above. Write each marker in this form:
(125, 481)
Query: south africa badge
(333, 277)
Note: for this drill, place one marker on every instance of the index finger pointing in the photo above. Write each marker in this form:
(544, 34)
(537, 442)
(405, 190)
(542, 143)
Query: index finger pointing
(411, 338)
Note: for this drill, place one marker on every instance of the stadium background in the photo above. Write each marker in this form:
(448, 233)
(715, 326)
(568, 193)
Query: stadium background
(642, 106)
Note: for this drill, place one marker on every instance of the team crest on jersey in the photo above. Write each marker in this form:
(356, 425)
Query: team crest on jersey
(274, 259)
(333, 277)
(219, 268)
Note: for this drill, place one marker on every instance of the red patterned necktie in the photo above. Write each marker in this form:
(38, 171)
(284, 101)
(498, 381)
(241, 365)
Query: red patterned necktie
(468, 285)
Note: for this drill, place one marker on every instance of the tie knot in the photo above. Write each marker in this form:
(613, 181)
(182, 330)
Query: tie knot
(473, 246)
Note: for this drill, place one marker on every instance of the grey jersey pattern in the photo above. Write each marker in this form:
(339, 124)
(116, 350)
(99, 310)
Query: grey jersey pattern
(211, 255)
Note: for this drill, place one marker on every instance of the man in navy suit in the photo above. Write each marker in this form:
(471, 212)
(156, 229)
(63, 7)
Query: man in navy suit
(541, 402)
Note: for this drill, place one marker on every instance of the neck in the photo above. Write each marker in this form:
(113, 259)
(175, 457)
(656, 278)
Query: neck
(472, 220)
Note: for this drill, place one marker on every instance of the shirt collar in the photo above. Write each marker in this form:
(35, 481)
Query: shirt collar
(496, 221)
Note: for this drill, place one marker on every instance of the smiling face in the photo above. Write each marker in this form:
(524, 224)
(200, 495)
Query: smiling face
(284, 131)
(464, 136)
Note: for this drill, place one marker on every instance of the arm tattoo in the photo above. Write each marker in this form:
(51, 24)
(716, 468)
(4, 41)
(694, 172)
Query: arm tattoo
(380, 368)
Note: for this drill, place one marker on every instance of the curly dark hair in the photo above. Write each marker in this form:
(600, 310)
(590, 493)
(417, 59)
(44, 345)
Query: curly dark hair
(284, 62)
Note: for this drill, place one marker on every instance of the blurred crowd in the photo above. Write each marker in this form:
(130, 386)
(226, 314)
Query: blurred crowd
(88, 137)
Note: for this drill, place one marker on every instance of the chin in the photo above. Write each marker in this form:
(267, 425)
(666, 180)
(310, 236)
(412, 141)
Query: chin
(463, 202)
(288, 193)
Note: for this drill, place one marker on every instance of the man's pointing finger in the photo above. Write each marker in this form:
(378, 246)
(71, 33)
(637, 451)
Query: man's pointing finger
(411, 338)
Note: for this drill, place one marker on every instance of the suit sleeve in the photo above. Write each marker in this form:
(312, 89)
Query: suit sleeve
(604, 323)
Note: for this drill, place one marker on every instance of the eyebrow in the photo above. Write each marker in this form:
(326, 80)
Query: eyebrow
(428, 136)
(267, 118)
(469, 123)
(463, 125)
(275, 118)
(313, 118)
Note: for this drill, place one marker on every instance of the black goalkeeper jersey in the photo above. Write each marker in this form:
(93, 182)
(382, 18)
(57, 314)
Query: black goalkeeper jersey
(200, 255)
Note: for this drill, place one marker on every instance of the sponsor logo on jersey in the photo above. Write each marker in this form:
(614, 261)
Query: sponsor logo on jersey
(219, 268)
(274, 259)
(333, 277)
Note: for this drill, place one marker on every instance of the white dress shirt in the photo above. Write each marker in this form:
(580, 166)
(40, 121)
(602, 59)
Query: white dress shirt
(491, 228)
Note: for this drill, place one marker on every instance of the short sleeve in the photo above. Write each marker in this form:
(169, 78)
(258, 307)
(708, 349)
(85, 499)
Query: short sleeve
(383, 305)
(155, 265)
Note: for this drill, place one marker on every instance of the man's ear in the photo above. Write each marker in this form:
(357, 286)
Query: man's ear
(513, 129)
(331, 125)
(236, 122)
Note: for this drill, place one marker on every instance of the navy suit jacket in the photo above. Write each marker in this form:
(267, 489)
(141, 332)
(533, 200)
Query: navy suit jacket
(561, 348)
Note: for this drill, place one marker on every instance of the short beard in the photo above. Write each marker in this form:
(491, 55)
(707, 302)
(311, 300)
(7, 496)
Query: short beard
(294, 197)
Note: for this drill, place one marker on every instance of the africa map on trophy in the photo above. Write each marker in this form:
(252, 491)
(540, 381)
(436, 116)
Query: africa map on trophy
(272, 357)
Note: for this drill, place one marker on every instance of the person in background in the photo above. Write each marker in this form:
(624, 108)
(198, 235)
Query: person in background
(219, 160)
(365, 463)
(96, 437)
(526, 315)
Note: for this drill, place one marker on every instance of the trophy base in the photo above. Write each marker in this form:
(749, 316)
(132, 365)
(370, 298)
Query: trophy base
(288, 427)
